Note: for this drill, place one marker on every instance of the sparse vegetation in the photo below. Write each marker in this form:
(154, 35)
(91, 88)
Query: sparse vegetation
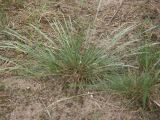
(137, 84)
(125, 60)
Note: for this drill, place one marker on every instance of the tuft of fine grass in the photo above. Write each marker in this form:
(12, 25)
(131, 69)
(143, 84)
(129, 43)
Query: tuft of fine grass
(131, 86)
(137, 85)
(149, 59)
(66, 56)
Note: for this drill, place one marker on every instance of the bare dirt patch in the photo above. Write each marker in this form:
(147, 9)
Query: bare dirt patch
(29, 112)
(49, 102)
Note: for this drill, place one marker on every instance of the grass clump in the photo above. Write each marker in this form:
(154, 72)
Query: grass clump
(137, 84)
(131, 86)
(67, 56)
(148, 60)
